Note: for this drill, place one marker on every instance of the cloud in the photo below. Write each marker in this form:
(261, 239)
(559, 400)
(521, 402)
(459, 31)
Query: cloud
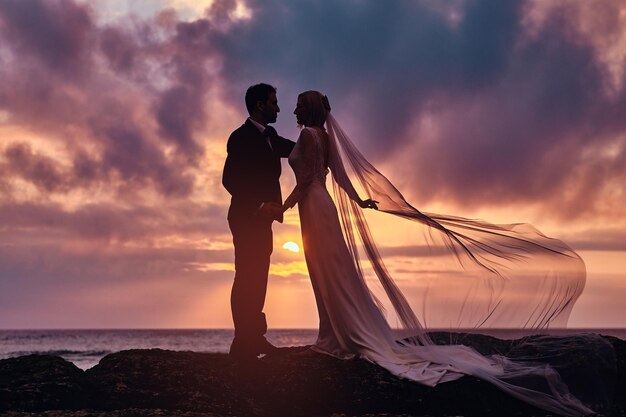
(385, 74)
(113, 124)
(40, 170)
(537, 133)
(141, 225)
(613, 240)
(485, 103)
(127, 100)
(51, 287)
(56, 33)
(482, 108)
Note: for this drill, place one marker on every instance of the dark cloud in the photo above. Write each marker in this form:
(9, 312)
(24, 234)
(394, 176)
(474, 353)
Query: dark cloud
(57, 33)
(613, 240)
(106, 222)
(104, 88)
(464, 101)
(139, 162)
(40, 170)
(382, 61)
(120, 49)
(413, 251)
(516, 110)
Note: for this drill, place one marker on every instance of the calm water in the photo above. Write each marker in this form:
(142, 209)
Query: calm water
(86, 347)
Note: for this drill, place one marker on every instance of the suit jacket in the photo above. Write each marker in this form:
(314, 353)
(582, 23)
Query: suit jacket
(252, 169)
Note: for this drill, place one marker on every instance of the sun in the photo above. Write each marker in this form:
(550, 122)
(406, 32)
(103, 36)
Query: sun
(292, 246)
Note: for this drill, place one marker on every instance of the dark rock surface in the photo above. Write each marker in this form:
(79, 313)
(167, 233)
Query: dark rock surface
(165, 383)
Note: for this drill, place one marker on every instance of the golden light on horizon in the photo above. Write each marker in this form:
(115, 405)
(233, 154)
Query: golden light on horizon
(291, 246)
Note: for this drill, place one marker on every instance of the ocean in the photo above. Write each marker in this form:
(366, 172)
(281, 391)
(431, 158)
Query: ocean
(85, 348)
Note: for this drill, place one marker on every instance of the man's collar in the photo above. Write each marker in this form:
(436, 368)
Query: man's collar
(257, 124)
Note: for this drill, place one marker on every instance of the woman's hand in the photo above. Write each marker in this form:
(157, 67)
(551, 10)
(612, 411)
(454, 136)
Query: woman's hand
(369, 203)
(270, 210)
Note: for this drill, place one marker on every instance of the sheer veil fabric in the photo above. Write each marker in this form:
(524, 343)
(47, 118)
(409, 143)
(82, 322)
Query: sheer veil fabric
(516, 278)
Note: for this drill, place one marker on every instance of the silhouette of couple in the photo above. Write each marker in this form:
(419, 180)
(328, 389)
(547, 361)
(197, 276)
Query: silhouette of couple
(352, 322)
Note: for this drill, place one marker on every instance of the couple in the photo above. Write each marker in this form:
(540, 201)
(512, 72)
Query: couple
(352, 320)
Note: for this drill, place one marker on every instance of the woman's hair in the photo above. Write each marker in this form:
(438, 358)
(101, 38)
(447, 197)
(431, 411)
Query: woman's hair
(317, 107)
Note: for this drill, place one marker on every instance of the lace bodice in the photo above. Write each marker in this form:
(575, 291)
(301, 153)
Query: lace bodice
(309, 161)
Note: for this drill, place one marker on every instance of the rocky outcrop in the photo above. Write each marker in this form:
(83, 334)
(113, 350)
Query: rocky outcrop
(166, 383)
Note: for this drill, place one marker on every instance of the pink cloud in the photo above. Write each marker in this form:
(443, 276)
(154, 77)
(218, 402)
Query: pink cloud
(518, 117)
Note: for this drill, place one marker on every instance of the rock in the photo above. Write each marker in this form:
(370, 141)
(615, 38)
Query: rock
(130, 412)
(41, 382)
(158, 382)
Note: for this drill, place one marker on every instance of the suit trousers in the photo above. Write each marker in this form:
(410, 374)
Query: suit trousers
(253, 241)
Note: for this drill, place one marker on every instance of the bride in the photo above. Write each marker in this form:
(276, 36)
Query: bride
(352, 320)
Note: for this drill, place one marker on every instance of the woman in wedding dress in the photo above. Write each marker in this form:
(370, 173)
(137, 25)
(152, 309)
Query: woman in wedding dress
(352, 321)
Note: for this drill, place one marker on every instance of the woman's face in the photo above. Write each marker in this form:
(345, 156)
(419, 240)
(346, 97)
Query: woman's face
(300, 112)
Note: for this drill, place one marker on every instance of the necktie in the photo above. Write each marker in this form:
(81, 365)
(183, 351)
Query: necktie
(270, 133)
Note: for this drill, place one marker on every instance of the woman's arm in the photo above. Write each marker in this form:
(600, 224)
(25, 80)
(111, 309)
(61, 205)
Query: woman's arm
(306, 154)
(342, 179)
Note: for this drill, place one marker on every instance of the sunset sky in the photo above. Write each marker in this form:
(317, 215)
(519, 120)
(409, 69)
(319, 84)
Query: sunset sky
(114, 117)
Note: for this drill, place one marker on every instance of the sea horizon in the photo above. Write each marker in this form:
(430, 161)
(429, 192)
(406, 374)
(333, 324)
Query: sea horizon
(85, 347)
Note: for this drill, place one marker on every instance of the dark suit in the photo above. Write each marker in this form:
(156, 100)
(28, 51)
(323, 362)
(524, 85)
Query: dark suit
(251, 176)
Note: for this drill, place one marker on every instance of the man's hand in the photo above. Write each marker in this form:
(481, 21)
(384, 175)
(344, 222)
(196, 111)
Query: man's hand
(270, 210)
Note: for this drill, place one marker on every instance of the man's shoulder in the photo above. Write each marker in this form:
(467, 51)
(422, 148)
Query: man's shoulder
(240, 134)
(246, 128)
(242, 130)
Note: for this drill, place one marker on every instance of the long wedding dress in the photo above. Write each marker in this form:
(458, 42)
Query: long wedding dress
(352, 321)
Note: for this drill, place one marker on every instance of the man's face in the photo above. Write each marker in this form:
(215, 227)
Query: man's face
(270, 109)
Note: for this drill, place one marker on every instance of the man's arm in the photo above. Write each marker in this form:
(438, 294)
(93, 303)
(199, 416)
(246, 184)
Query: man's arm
(238, 162)
(284, 146)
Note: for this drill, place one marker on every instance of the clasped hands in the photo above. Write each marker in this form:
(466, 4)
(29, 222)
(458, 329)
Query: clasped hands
(271, 210)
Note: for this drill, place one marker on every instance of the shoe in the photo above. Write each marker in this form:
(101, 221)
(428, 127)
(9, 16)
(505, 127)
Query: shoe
(265, 347)
(244, 357)
(242, 351)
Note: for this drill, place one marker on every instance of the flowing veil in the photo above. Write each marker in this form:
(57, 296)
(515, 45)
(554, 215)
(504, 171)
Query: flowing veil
(513, 277)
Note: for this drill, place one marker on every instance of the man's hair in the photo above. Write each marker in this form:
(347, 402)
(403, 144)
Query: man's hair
(256, 93)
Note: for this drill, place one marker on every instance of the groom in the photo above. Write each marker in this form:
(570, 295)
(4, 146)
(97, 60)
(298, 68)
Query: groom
(251, 174)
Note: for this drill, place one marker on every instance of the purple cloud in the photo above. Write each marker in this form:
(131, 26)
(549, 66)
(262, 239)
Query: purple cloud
(465, 102)
(516, 112)
(74, 75)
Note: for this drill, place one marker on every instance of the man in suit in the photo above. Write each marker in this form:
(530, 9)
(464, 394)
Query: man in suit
(251, 176)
